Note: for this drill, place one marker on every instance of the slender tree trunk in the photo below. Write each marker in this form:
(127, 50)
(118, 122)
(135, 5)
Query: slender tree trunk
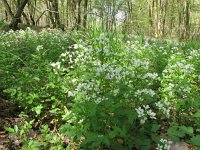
(8, 9)
(67, 13)
(180, 19)
(56, 13)
(150, 18)
(74, 14)
(79, 15)
(16, 18)
(172, 18)
(51, 16)
(32, 11)
(85, 14)
(187, 19)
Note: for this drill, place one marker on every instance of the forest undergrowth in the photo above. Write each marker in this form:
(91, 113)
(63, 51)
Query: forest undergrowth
(100, 90)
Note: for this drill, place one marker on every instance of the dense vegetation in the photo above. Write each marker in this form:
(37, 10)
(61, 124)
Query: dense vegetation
(101, 90)
(99, 74)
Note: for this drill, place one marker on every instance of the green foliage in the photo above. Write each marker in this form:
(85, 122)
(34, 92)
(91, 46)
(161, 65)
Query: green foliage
(178, 132)
(101, 90)
(3, 25)
(195, 140)
(192, 44)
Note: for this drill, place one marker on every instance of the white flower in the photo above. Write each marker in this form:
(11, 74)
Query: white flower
(142, 121)
(74, 80)
(146, 107)
(77, 46)
(150, 92)
(70, 93)
(63, 54)
(164, 107)
(151, 114)
(164, 145)
(143, 114)
(39, 47)
(140, 112)
(56, 65)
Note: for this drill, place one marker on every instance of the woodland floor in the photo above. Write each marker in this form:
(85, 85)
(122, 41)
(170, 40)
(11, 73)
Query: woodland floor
(8, 117)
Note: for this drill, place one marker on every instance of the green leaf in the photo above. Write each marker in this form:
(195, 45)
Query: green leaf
(143, 142)
(197, 114)
(131, 117)
(90, 137)
(35, 144)
(175, 134)
(16, 128)
(155, 137)
(38, 109)
(114, 133)
(54, 111)
(198, 130)
(31, 97)
(155, 127)
(21, 132)
(11, 91)
(9, 129)
(36, 78)
(195, 140)
(106, 140)
(186, 130)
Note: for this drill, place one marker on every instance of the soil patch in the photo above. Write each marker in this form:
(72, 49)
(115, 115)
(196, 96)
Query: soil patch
(8, 118)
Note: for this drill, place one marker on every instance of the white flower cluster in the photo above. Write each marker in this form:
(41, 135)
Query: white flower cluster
(194, 53)
(90, 90)
(181, 66)
(139, 63)
(177, 78)
(77, 46)
(84, 56)
(174, 49)
(162, 50)
(144, 112)
(178, 64)
(56, 66)
(153, 76)
(117, 69)
(111, 72)
(141, 92)
(164, 107)
(67, 56)
(164, 145)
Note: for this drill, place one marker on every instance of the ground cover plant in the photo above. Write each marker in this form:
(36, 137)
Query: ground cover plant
(101, 90)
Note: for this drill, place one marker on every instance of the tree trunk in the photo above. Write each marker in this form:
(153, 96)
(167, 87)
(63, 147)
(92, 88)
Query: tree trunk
(16, 18)
(26, 18)
(32, 11)
(8, 9)
(85, 14)
(79, 15)
(187, 19)
(150, 17)
(49, 7)
(56, 13)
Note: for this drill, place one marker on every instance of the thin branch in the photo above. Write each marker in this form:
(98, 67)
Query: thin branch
(43, 14)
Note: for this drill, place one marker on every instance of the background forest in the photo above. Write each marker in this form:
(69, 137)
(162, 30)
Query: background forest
(100, 74)
(158, 18)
